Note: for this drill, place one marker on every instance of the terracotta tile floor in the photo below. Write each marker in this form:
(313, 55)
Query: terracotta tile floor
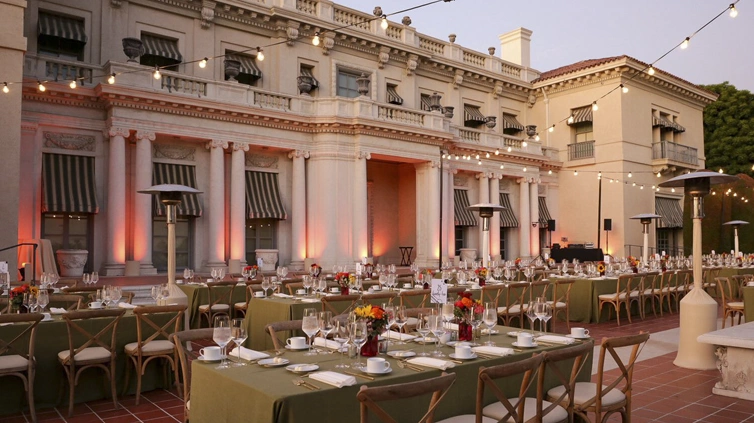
(662, 391)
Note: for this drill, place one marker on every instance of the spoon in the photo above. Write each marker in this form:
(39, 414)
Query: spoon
(300, 382)
(404, 365)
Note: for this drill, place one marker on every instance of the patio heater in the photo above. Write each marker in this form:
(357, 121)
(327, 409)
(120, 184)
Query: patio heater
(485, 210)
(170, 196)
(646, 220)
(736, 224)
(698, 309)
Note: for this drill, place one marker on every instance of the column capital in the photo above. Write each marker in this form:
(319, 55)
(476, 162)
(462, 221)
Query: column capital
(145, 135)
(364, 155)
(434, 163)
(215, 144)
(522, 181)
(115, 131)
(481, 175)
(298, 153)
(242, 146)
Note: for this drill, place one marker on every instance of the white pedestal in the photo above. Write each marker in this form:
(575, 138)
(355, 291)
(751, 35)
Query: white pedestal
(698, 316)
(269, 259)
(734, 350)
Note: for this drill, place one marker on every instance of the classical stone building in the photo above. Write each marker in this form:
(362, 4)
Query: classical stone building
(367, 140)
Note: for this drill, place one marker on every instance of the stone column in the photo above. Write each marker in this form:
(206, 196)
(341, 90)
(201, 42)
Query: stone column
(238, 202)
(298, 209)
(495, 219)
(427, 214)
(525, 224)
(115, 262)
(451, 213)
(142, 224)
(216, 199)
(534, 213)
(360, 221)
(484, 197)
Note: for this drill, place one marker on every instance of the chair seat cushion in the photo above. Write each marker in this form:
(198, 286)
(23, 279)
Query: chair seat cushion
(412, 321)
(87, 355)
(558, 304)
(466, 418)
(497, 411)
(13, 363)
(735, 304)
(608, 297)
(217, 307)
(151, 347)
(586, 391)
(514, 309)
(240, 306)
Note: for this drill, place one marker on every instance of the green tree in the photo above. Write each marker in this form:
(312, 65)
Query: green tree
(729, 130)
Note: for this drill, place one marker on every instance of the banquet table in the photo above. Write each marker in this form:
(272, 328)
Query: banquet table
(729, 272)
(748, 295)
(260, 394)
(52, 338)
(198, 294)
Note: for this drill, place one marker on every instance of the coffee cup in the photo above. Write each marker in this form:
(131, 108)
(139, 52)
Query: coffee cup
(524, 339)
(407, 285)
(210, 353)
(579, 332)
(375, 288)
(463, 350)
(377, 365)
(47, 316)
(335, 289)
(296, 342)
(259, 294)
(300, 292)
(95, 304)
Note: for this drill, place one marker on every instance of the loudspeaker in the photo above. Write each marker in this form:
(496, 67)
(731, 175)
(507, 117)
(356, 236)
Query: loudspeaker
(551, 225)
(608, 224)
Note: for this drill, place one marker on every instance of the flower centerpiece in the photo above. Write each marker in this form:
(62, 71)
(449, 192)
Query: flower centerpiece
(377, 322)
(633, 263)
(343, 279)
(517, 263)
(17, 296)
(251, 271)
(463, 306)
(315, 270)
(481, 273)
(601, 268)
(550, 262)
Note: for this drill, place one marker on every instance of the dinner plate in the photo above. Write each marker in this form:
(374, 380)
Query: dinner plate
(578, 337)
(302, 368)
(427, 340)
(386, 371)
(204, 360)
(401, 354)
(513, 333)
(288, 347)
(273, 362)
(471, 357)
(488, 332)
(533, 345)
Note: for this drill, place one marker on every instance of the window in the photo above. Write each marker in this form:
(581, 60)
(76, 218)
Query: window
(583, 132)
(69, 231)
(392, 95)
(472, 116)
(260, 234)
(183, 242)
(511, 125)
(460, 239)
(503, 235)
(347, 86)
(61, 36)
(666, 241)
(161, 52)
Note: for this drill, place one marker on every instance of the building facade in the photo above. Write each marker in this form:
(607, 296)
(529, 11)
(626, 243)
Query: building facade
(370, 140)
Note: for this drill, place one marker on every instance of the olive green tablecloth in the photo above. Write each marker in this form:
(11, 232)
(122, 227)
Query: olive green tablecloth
(198, 294)
(748, 294)
(729, 272)
(52, 337)
(257, 394)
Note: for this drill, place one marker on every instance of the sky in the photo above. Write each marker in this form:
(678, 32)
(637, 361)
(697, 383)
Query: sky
(568, 31)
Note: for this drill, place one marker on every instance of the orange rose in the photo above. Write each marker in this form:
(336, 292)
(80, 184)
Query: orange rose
(466, 302)
(377, 312)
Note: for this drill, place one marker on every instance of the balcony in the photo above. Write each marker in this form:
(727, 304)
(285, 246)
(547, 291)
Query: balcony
(670, 153)
(581, 150)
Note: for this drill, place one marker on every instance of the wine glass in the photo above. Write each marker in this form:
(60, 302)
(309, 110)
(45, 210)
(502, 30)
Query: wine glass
(391, 268)
(310, 326)
(239, 335)
(307, 283)
(401, 318)
(422, 327)
(322, 283)
(326, 324)
(448, 312)
(390, 315)
(155, 293)
(358, 334)
(283, 272)
(476, 317)
(95, 278)
(489, 318)
(245, 273)
(85, 278)
(383, 281)
(265, 285)
(497, 272)
(341, 336)
(531, 314)
(186, 274)
(221, 334)
(105, 292)
(437, 327)
(221, 273)
(116, 293)
(213, 273)
(43, 299)
(544, 313)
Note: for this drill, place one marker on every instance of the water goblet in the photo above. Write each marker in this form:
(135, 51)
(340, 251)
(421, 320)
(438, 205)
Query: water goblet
(476, 317)
(489, 318)
(265, 285)
(221, 334)
(401, 318)
(310, 326)
(326, 324)
(437, 327)
(85, 278)
(358, 335)
(531, 314)
(186, 274)
(341, 336)
(239, 335)
(43, 299)
(307, 283)
(422, 327)
(245, 273)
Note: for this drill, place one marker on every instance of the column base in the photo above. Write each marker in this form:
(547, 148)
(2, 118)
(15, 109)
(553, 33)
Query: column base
(698, 316)
(296, 265)
(113, 269)
(147, 269)
(427, 263)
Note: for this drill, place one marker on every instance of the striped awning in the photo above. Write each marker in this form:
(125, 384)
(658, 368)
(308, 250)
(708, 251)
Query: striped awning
(62, 27)
(168, 173)
(664, 122)
(248, 64)
(425, 103)
(68, 184)
(263, 196)
(392, 95)
(162, 47)
(510, 122)
(544, 213)
(507, 218)
(472, 115)
(463, 217)
(307, 71)
(670, 211)
(582, 114)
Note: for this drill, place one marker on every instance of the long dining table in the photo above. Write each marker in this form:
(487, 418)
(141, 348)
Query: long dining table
(268, 394)
(198, 294)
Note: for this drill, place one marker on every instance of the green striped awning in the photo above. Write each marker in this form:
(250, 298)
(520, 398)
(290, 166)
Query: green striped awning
(162, 47)
(463, 216)
(248, 64)
(307, 71)
(472, 115)
(507, 217)
(669, 209)
(664, 122)
(263, 196)
(544, 213)
(168, 173)
(62, 27)
(68, 184)
(510, 122)
(582, 114)
(426, 103)
(392, 95)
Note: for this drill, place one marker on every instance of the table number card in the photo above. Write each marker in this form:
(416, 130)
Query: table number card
(3, 267)
(439, 292)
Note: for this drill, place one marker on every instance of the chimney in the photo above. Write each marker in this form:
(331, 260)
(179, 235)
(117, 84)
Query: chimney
(515, 47)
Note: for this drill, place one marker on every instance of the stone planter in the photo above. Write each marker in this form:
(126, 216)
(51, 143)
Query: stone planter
(232, 69)
(269, 259)
(72, 262)
(305, 84)
(362, 84)
(133, 48)
(468, 255)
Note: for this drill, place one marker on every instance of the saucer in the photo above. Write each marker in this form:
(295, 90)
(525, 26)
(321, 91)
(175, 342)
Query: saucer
(514, 333)
(471, 357)
(270, 362)
(302, 368)
(533, 345)
(47, 319)
(289, 347)
(578, 337)
(401, 354)
(386, 371)
(454, 343)
(205, 360)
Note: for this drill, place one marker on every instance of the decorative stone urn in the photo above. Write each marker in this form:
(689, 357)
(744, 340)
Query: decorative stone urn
(531, 130)
(232, 69)
(133, 48)
(490, 121)
(449, 111)
(491, 50)
(452, 38)
(72, 262)
(269, 259)
(468, 255)
(362, 83)
(305, 84)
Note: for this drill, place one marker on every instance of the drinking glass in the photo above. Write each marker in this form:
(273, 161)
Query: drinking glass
(544, 313)
(390, 315)
(307, 283)
(476, 317)
(221, 334)
(322, 283)
(283, 272)
(326, 324)
(448, 311)
(341, 336)
(221, 273)
(391, 268)
(531, 314)
(437, 327)
(310, 326)
(213, 273)
(497, 272)
(94, 278)
(116, 293)
(105, 295)
(155, 293)
(85, 278)
(358, 334)
(422, 327)
(383, 281)
(489, 318)
(265, 285)
(186, 274)
(401, 318)
(245, 273)
(239, 335)
(43, 299)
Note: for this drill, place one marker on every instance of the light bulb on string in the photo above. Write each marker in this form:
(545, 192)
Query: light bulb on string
(575, 173)
(651, 70)
(653, 187)
(595, 107)
(685, 43)
(72, 84)
(624, 88)
(111, 79)
(6, 90)
(641, 187)
(260, 55)
(456, 156)
(657, 189)
(502, 166)
(634, 184)
(536, 138)
(468, 157)
(549, 172)
(733, 10)
(157, 74)
(552, 128)
(384, 23)
(570, 119)
(203, 63)
(487, 155)
(672, 189)
(41, 87)
(658, 174)
(479, 163)
(524, 144)
(524, 168)
(315, 40)
(477, 156)
(630, 174)
(713, 192)
(720, 171)
(599, 175)
(510, 149)
(497, 151)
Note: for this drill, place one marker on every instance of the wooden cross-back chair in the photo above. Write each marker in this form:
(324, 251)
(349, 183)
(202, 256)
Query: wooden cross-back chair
(287, 327)
(153, 341)
(731, 307)
(683, 284)
(17, 360)
(622, 296)
(511, 301)
(93, 352)
(185, 356)
(560, 300)
(414, 298)
(220, 297)
(708, 279)
(739, 282)
(69, 302)
(370, 396)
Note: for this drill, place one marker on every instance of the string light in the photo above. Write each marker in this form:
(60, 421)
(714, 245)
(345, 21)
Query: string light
(479, 163)
(570, 119)
(384, 23)
(524, 143)
(720, 171)
(260, 55)
(502, 166)
(599, 175)
(203, 63)
(575, 173)
(672, 189)
(651, 70)
(642, 187)
(510, 149)
(536, 138)
(41, 87)
(549, 172)
(658, 174)
(733, 10)
(315, 40)
(72, 84)
(524, 168)
(595, 107)
(111, 79)
(497, 151)
(477, 157)
(456, 156)
(487, 155)
(5, 88)
(157, 74)
(630, 174)
(624, 88)
(685, 43)
(552, 128)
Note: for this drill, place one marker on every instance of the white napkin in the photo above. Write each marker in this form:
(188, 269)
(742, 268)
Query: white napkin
(309, 300)
(126, 305)
(432, 362)
(499, 351)
(281, 295)
(396, 335)
(556, 339)
(487, 331)
(56, 310)
(322, 342)
(336, 379)
(248, 354)
(749, 283)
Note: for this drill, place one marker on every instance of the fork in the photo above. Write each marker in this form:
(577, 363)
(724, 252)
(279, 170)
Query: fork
(404, 365)
(305, 384)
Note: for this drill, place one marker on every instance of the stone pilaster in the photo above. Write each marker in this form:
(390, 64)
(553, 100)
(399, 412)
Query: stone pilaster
(495, 219)
(298, 209)
(142, 222)
(360, 231)
(524, 232)
(534, 217)
(216, 200)
(115, 262)
(238, 202)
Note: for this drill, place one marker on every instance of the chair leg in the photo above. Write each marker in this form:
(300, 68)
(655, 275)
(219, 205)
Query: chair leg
(30, 396)
(112, 384)
(139, 371)
(128, 375)
(71, 387)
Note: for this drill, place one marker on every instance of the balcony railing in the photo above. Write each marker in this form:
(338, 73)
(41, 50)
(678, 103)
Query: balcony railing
(675, 152)
(54, 69)
(581, 150)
